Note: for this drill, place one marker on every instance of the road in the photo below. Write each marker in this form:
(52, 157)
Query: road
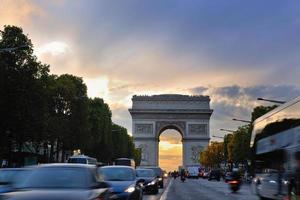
(201, 190)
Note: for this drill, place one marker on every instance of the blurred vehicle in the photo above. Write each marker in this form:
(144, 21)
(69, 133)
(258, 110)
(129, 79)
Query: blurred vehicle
(61, 182)
(150, 181)
(193, 171)
(214, 175)
(11, 177)
(234, 185)
(227, 176)
(82, 159)
(124, 182)
(125, 161)
(276, 140)
(159, 174)
(205, 174)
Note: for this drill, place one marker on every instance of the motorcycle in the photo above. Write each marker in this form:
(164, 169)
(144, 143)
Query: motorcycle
(234, 185)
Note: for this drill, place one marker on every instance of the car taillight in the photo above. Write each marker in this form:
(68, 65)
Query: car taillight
(233, 182)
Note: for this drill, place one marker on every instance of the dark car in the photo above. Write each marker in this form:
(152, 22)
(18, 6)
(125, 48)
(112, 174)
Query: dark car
(159, 174)
(150, 181)
(123, 182)
(214, 175)
(61, 182)
(11, 177)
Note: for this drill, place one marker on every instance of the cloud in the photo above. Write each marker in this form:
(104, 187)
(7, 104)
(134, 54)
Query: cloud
(237, 102)
(18, 13)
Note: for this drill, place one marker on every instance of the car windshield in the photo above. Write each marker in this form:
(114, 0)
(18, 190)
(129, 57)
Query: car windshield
(145, 173)
(77, 160)
(57, 178)
(117, 174)
(157, 171)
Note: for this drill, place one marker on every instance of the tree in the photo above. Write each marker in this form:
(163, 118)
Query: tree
(241, 147)
(21, 102)
(213, 156)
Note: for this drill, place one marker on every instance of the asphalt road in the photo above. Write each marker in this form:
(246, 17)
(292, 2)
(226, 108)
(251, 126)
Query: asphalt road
(201, 189)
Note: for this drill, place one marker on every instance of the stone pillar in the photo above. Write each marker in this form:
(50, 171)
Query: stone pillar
(149, 148)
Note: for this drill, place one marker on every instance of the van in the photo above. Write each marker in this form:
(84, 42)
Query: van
(82, 159)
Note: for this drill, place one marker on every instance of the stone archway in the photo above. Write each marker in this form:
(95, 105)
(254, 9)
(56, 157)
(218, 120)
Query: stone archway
(189, 115)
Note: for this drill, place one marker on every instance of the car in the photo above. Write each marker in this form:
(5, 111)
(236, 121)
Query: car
(11, 177)
(61, 181)
(150, 181)
(214, 175)
(204, 174)
(123, 181)
(159, 174)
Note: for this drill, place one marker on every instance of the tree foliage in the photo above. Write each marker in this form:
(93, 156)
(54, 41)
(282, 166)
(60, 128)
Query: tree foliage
(51, 115)
(213, 155)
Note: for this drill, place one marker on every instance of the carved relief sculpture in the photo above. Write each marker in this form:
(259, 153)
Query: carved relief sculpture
(196, 150)
(143, 128)
(198, 129)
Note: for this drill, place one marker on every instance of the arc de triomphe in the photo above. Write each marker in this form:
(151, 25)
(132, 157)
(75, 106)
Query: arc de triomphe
(189, 115)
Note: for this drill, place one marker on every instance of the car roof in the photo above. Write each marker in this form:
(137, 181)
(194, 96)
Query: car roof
(71, 165)
(117, 166)
(144, 169)
(13, 169)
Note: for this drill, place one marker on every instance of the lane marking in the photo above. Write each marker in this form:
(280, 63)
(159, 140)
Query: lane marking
(165, 193)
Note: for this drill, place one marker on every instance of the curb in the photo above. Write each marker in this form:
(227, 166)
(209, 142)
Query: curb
(166, 191)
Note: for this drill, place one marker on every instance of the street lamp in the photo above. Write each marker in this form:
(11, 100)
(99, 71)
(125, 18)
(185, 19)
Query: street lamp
(10, 49)
(241, 120)
(227, 130)
(216, 136)
(271, 100)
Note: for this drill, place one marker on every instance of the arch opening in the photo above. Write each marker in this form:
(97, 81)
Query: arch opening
(170, 149)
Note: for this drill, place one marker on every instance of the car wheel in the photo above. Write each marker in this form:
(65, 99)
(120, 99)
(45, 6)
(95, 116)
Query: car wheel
(141, 195)
(155, 190)
(161, 185)
(263, 198)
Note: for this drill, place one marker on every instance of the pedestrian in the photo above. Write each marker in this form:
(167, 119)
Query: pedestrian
(279, 179)
(294, 186)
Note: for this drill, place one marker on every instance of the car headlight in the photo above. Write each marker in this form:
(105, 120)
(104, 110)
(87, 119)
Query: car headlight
(130, 189)
(152, 182)
(159, 179)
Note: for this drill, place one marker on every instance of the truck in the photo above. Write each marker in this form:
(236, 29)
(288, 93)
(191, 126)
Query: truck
(193, 171)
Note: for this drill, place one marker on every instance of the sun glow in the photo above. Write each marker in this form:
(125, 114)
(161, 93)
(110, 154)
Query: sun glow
(97, 87)
(170, 150)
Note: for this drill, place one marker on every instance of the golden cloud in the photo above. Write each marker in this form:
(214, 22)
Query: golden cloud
(18, 12)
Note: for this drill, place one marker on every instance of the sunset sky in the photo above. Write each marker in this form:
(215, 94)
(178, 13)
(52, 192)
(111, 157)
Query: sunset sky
(233, 50)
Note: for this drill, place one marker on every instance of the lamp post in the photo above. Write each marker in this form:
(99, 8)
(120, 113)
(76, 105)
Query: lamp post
(271, 100)
(227, 130)
(216, 136)
(241, 120)
(10, 49)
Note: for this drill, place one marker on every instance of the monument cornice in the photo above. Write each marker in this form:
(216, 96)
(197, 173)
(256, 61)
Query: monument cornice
(170, 97)
(171, 111)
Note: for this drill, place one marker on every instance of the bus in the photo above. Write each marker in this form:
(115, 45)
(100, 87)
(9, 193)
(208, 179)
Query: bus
(125, 161)
(275, 142)
(82, 159)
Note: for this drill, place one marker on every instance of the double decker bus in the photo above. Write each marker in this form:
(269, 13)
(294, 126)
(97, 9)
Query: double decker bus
(276, 145)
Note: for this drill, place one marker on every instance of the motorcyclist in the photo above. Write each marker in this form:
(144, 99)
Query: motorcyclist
(235, 175)
(182, 173)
